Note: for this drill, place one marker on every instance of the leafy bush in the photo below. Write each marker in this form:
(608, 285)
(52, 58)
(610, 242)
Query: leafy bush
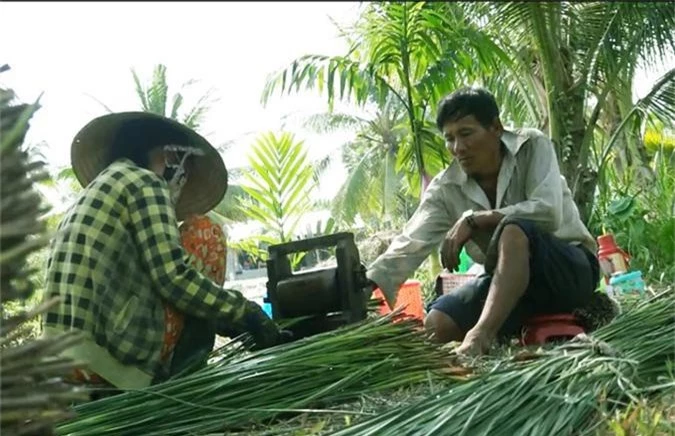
(638, 207)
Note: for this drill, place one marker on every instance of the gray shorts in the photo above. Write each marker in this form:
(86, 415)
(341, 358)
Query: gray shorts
(562, 278)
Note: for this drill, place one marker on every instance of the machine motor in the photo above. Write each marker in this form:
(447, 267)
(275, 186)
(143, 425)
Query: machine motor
(324, 298)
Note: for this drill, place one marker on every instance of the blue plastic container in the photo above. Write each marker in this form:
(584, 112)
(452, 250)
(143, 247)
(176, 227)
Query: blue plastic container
(267, 308)
(627, 283)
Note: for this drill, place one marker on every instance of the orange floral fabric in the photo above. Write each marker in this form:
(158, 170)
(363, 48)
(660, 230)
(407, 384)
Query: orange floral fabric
(205, 243)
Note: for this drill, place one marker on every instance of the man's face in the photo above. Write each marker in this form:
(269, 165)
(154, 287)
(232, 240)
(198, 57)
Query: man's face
(474, 146)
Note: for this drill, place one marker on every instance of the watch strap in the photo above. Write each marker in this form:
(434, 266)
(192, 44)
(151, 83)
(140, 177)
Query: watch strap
(471, 220)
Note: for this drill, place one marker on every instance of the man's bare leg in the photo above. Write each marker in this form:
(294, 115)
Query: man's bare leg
(441, 328)
(509, 283)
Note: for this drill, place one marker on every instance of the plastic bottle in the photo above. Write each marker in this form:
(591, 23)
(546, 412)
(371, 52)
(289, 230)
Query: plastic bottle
(612, 259)
(465, 261)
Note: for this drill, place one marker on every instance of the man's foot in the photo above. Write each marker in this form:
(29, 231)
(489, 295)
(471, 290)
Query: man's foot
(476, 342)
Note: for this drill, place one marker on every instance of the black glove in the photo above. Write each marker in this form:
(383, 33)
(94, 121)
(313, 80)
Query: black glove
(256, 323)
(267, 341)
(264, 331)
(286, 336)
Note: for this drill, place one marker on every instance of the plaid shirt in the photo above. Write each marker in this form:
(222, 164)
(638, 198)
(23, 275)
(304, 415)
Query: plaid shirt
(117, 255)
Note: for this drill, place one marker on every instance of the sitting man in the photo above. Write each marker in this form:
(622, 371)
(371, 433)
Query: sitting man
(117, 261)
(503, 197)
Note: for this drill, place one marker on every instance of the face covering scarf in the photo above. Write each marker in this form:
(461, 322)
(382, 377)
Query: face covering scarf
(175, 174)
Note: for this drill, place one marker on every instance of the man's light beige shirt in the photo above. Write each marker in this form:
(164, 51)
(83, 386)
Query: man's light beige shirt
(529, 186)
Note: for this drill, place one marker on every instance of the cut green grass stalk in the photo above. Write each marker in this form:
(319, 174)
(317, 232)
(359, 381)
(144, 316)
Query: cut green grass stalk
(560, 393)
(258, 387)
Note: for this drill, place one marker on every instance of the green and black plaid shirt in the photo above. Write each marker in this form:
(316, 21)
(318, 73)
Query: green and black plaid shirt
(117, 255)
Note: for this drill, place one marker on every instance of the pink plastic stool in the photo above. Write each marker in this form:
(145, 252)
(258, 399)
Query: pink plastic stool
(540, 329)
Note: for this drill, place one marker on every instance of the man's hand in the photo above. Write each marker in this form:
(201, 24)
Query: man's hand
(476, 342)
(453, 243)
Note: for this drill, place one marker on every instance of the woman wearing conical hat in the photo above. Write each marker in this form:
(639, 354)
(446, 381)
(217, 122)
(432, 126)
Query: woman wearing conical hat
(117, 260)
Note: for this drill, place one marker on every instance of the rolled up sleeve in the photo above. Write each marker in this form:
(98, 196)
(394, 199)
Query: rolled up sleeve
(423, 233)
(544, 204)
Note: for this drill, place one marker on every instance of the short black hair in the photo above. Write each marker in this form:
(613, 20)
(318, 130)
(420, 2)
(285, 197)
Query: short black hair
(135, 139)
(478, 102)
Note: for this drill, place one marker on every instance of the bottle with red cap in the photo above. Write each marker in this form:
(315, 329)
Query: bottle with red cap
(612, 259)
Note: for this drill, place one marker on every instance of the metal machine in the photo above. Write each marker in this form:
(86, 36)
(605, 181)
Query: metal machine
(324, 298)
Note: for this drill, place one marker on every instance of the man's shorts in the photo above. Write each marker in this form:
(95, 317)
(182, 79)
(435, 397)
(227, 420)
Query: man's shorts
(562, 277)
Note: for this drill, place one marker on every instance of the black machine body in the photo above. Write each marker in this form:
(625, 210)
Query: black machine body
(320, 299)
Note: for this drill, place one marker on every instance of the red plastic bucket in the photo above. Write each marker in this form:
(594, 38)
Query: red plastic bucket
(409, 298)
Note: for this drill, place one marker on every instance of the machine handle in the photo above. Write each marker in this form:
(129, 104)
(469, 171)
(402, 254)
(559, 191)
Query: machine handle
(362, 281)
(309, 244)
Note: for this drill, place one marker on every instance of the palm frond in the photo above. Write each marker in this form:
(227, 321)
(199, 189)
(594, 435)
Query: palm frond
(652, 23)
(321, 166)
(515, 18)
(520, 104)
(352, 193)
(105, 106)
(157, 94)
(279, 184)
(659, 103)
(140, 91)
(175, 105)
(336, 76)
(332, 122)
(195, 117)
(34, 396)
(228, 208)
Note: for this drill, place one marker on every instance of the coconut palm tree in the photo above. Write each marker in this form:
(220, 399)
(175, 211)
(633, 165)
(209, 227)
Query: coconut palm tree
(412, 52)
(375, 188)
(558, 66)
(397, 49)
(580, 67)
(154, 98)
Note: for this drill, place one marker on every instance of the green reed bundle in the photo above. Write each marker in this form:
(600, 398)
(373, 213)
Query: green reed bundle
(257, 387)
(559, 393)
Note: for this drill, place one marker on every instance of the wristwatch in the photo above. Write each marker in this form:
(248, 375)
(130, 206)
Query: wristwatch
(470, 219)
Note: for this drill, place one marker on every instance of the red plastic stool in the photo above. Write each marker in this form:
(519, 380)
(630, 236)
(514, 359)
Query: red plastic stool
(540, 329)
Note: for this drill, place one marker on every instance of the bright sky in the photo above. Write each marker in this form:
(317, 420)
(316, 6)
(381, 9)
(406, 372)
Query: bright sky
(72, 50)
(227, 46)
